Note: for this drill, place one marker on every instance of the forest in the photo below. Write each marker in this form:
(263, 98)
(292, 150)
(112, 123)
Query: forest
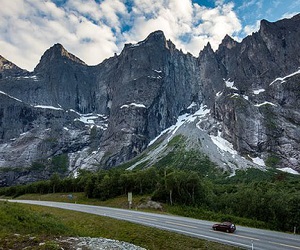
(269, 199)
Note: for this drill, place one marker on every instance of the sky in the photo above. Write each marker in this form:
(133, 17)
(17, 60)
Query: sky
(94, 30)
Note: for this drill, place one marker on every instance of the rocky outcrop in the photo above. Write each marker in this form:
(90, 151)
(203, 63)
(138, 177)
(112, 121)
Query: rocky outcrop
(102, 116)
(8, 69)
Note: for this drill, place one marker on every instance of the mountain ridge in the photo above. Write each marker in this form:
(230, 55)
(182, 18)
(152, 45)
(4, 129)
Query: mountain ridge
(243, 95)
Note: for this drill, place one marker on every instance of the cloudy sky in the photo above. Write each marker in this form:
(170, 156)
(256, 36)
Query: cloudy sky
(95, 29)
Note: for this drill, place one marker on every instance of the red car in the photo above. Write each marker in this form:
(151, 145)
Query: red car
(225, 227)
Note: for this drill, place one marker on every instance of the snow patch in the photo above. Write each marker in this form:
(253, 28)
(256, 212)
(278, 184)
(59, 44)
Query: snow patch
(258, 161)
(193, 104)
(157, 71)
(230, 84)
(288, 170)
(282, 79)
(136, 44)
(234, 95)
(258, 91)
(34, 77)
(155, 77)
(219, 93)
(223, 144)
(265, 103)
(1, 92)
(98, 120)
(246, 97)
(182, 119)
(25, 133)
(137, 105)
(47, 107)
(86, 119)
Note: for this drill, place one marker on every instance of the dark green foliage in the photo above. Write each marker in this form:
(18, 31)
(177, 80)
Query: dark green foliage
(37, 166)
(181, 187)
(270, 117)
(59, 163)
(191, 160)
(267, 199)
(272, 161)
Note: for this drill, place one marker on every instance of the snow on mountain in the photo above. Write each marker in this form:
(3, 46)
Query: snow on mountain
(200, 126)
(222, 102)
(223, 144)
(288, 170)
(258, 161)
(258, 91)
(265, 103)
(230, 84)
(3, 93)
(47, 107)
(283, 79)
(136, 105)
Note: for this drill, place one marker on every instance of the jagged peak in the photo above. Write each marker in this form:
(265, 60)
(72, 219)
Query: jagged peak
(207, 47)
(6, 65)
(206, 50)
(228, 42)
(269, 27)
(156, 37)
(60, 50)
(265, 26)
(8, 69)
(57, 51)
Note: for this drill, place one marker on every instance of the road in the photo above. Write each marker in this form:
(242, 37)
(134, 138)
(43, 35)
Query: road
(243, 237)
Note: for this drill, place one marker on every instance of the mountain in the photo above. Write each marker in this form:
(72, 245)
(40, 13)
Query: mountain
(237, 106)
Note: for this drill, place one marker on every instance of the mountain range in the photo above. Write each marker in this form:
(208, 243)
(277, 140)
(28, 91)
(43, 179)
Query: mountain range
(239, 106)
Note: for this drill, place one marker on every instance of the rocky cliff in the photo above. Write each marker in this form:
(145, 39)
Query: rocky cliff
(239, 105)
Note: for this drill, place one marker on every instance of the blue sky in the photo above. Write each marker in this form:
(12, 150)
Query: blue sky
(96, 29)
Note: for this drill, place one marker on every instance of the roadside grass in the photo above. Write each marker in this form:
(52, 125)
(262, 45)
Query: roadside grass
(80, 198)
(121, 202)
(21, 222)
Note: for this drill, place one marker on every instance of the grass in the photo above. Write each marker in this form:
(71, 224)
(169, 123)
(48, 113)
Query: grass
(80, 198)
(121, 202)
(22, 223)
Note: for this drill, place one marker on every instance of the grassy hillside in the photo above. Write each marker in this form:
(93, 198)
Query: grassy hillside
(28, 226)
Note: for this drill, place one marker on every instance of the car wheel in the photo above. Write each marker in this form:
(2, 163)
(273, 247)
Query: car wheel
(214, 228)
(227, 231)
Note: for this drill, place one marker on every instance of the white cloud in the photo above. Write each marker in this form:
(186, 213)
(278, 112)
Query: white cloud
(190, 28)
(249, 29)
(94, 31)
(289, 14)
(28, 31)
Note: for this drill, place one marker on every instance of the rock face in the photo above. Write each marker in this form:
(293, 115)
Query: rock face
(101, 116)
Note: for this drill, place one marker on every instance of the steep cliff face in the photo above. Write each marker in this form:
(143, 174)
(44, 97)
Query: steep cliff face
(245, 95)
(254, 105)
(144, 95)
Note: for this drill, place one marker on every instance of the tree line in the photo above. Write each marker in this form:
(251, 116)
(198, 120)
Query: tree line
(275, 202)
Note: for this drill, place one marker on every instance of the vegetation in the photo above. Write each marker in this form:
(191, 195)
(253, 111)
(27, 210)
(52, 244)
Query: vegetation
(272, 160)
(186, 183)
(26, 226)
(268, 199)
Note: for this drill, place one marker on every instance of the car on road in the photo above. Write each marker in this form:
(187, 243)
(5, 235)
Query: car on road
(225, 227)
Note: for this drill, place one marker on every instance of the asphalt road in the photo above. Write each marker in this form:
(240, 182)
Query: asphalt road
(243, 237)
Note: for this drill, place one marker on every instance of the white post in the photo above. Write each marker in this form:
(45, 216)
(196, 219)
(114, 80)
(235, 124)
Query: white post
(130, 199)
(252, 245)
(294, 229)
